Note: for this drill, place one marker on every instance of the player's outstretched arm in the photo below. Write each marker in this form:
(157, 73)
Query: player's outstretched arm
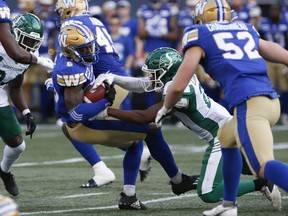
(136, 116)
(273, 52)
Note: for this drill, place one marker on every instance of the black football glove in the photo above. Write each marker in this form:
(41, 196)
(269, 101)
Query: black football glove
(31, 124)
(110, 93)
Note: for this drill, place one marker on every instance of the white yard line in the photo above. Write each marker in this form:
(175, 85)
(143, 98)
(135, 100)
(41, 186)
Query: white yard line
(80, 195)
(107, 207)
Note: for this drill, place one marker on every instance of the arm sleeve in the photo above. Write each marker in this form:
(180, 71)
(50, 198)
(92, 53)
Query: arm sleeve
(84, 111)
(130, 83)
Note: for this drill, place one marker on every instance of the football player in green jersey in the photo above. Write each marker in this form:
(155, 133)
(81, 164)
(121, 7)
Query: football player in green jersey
(197, 112)
(28, 32)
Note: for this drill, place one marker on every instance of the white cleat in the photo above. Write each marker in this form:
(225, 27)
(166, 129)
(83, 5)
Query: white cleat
(271, 192)
(103, 176)
(220, 210)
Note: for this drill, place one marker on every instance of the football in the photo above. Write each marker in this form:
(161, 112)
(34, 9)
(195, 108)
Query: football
(92, 96)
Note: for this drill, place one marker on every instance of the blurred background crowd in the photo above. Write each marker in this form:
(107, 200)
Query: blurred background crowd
(138, 27)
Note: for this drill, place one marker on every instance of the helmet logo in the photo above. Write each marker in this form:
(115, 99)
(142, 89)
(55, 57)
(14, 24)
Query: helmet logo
(69, 3)
(199, 9)
(62, 40)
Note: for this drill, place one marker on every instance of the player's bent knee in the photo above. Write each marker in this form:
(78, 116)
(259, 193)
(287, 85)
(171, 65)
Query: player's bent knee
(210, 197)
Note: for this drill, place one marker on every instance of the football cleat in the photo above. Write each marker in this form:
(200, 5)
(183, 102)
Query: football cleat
(130, 203)
(102, 177)
(220, 210)
(9, 183)
(188, 183)
(271, 192)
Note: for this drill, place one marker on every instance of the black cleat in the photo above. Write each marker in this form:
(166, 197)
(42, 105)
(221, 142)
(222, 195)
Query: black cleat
(188, 183)
(130, 203)
(9, 183)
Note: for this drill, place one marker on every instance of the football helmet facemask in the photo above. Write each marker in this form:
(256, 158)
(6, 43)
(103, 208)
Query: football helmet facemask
(160, 66)
(79, 44)
(68, 8)
(212, 11)
(28, 31)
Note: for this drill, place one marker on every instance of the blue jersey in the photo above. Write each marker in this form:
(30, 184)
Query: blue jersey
(157, 19)
(275, 32)
(68, 73)
(4, 12)
(232, 58)
(108, 57)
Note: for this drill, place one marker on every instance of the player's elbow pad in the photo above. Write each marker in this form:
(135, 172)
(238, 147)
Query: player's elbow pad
(85, 111)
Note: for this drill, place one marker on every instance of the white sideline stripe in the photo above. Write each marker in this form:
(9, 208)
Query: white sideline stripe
(108, 207)
(176, 149)
(80, 195)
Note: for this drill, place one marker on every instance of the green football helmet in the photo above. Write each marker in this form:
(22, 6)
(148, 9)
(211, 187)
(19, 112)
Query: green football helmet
(160, 66)
(28, 31)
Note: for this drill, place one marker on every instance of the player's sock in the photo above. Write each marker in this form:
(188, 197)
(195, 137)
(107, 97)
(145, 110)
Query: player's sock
(10, 155)
(277, 172)
(245, 187)
(232, 166)
(87, 151)
(129, 190)
(131, 163)
(161, 152)
(259, 184)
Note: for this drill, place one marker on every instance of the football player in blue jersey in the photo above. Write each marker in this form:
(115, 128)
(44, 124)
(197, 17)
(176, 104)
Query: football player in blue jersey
(233, 54)
(28, 31)
(11, 46)
(198, 112)
(108, 61)
(73, 72)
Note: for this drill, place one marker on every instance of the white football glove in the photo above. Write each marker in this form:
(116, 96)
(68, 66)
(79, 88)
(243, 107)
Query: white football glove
(162, 113)
(100, 116)
(46, 63)
(107, 77)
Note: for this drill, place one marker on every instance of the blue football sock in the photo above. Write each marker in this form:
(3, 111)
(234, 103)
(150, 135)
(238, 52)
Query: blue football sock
(277, 172)
(161, 152)
(87, 151)
(231, 169)
(131, 163)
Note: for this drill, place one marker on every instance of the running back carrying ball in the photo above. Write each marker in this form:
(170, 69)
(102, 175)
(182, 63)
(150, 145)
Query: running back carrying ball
(93, 95)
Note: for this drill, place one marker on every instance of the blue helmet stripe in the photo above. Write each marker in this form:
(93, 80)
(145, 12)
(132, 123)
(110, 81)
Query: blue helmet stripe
(220, 12)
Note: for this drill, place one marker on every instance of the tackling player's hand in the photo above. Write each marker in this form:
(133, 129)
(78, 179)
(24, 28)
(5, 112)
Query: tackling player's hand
(107, 78)
(46, 63)
(162, 113)
(110, 93)
(31, 124)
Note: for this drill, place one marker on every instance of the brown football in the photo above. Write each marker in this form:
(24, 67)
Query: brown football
(92, 96)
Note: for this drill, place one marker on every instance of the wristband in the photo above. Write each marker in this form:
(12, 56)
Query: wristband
(25, 112)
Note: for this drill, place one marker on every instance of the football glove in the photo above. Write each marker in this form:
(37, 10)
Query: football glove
(162, 113)
(46, 63)
(110, 93)
(107, 78)
(31, 124)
